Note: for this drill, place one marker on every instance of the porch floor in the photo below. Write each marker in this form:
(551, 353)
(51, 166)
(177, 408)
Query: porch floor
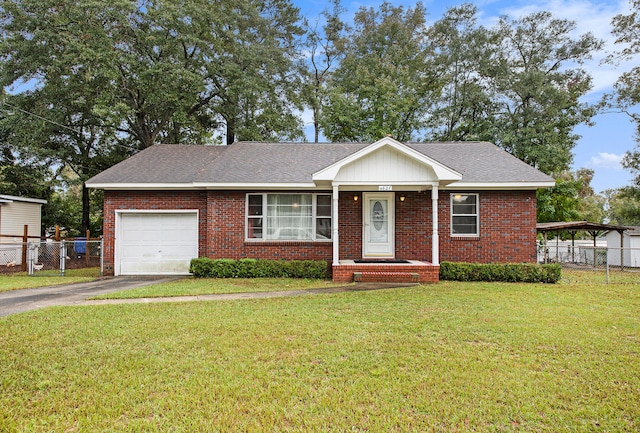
(414, 271)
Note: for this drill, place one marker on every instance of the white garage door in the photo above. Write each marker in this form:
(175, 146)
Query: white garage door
(156, 243)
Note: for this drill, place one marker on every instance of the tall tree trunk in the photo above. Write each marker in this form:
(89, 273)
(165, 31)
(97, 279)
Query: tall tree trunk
(231, 133)
(316, 125)
(85, 209)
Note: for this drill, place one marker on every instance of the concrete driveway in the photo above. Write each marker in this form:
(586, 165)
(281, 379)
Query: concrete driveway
(19, 301)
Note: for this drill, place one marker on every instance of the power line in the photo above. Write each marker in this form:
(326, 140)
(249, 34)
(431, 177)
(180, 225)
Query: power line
(41, 118)
(60, 125)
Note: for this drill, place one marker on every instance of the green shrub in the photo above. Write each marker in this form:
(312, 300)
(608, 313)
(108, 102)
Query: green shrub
(200, 267)
(507, 272)
(204, 267)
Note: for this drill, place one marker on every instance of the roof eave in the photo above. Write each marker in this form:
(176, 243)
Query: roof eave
(500, 185)
(4, 198)
(257, 185)
(139, 186)
(132, 186)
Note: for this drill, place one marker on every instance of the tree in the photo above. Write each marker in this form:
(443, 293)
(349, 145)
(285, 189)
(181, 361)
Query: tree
(227, 64)
(538, 91)
(467, 107)
(55, 120)
(386, 83)
(251, 82)
(626, 97)
(571, 199)
(591, 206)
(326, 47)
(623, 206)
(560, 202)
(24, 178)
(104, 80)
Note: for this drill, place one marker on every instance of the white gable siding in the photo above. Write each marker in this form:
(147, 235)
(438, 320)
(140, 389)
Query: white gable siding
(386, 165)
(16, 214)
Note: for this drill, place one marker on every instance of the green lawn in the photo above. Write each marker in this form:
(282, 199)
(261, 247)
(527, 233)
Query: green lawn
(481, 357)
(21, 280)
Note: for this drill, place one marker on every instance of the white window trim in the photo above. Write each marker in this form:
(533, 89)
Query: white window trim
(314, 216)
(477, 215)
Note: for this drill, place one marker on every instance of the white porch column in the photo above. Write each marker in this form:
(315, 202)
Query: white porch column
(435, 239)
(334, 236)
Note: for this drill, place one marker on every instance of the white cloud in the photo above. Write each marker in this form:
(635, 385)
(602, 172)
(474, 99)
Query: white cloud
(606, 160)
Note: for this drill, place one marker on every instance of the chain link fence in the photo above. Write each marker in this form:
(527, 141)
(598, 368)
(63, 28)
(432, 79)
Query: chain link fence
(49, 257)
(618, 265)
(11, 255)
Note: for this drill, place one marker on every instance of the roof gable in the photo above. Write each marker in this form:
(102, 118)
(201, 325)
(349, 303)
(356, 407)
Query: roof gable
(387, 161)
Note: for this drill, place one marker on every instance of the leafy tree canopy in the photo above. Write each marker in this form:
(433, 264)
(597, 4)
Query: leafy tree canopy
(571, 199)
(94, 82)
(623, 206)
(384, 84)
(626, 96)
(517, 84)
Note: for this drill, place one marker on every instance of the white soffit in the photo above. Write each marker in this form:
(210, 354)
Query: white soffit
(200, 186)
(387, 161)
(499, 185)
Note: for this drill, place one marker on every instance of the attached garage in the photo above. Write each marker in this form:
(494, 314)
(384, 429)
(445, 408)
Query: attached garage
(155, 242)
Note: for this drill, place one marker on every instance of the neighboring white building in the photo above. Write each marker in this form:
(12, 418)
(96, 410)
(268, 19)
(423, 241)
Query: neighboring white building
(630, 247)
(15, 213)
(578, 251)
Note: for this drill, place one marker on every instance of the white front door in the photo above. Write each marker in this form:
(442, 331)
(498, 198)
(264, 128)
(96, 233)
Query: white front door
(378, 219)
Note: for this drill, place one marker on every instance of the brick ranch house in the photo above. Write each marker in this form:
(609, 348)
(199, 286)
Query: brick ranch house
(383, 210)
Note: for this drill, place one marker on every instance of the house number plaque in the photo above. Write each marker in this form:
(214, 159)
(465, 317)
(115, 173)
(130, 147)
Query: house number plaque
(385, 188)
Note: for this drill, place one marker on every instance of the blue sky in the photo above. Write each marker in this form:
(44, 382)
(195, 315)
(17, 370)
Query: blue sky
(602, 145)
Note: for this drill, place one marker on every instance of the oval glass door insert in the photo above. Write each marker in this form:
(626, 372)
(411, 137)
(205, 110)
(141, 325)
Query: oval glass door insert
(378, 215)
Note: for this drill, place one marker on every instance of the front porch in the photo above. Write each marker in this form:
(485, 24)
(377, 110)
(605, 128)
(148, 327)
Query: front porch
(412, 271)
(384, 198)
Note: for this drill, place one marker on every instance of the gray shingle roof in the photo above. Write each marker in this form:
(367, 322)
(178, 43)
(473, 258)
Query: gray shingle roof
(253, 162)
(481, 162)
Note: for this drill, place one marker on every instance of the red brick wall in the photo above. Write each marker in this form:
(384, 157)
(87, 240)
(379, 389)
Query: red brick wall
(413, 226)
(350, 226)
(507, 229)
(146, 200)
(226, 234)
(426, 273)
(507, 226)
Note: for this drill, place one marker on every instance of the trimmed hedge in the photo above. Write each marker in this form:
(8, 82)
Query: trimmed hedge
(507, 272)
(204, 267)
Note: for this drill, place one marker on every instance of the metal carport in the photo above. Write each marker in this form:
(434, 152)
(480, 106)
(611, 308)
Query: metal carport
(594, 229)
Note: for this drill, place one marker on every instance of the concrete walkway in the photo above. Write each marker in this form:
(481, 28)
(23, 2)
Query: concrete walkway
(19, 301)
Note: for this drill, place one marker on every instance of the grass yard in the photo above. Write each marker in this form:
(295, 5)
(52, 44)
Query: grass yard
(481, 357)
(21, 280)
